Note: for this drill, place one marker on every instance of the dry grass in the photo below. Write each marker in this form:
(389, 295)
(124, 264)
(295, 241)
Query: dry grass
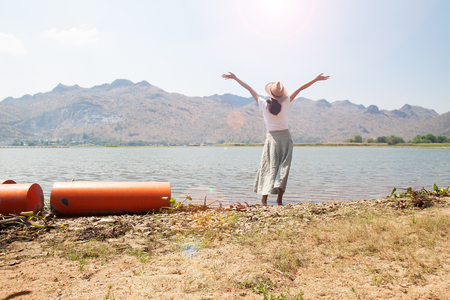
(341, 250)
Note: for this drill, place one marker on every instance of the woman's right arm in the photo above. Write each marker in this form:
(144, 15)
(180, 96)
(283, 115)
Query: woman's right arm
(243, 84)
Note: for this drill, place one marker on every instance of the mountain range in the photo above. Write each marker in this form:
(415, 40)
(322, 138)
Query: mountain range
(128, 111)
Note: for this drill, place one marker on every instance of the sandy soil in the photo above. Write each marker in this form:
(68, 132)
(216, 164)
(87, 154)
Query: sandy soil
(222, 254)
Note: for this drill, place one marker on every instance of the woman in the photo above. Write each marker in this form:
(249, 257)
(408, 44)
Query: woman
(276, 159)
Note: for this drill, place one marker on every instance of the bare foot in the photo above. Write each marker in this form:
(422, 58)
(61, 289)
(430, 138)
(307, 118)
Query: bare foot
(280, 197)
(264, 200)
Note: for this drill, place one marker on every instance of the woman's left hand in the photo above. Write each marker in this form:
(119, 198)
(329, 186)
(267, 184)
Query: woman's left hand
(229, 76)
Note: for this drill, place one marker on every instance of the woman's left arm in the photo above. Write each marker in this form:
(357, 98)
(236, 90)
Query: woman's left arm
(319, 77)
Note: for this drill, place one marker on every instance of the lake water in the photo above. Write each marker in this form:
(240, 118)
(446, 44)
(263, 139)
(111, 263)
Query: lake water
(227, 174)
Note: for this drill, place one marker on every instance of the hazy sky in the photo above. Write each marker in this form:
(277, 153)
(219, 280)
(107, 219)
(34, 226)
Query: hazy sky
(383, 52)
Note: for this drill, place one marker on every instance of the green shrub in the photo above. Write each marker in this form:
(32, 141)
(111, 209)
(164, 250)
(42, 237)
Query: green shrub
(356, 139)
(430, 138)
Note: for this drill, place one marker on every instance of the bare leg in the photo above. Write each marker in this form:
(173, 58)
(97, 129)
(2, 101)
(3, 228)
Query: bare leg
(264, 200)
(280, 197)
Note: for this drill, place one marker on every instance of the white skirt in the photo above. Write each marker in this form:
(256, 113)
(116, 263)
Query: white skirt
(275, 163)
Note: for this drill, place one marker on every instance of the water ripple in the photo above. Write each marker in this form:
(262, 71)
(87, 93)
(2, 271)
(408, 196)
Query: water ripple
(317, 173)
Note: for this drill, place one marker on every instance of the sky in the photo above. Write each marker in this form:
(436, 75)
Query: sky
(385, 53)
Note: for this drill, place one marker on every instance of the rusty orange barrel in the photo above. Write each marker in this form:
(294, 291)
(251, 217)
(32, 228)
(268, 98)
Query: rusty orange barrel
(17, 198)
(7, 181)
(102, 198)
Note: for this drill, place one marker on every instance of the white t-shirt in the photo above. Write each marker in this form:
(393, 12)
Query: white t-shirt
(278, 122)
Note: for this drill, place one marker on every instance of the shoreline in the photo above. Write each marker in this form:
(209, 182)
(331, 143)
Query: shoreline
(400, 145)
(431, 145)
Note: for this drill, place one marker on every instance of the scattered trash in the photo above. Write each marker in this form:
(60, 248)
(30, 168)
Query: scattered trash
(106, 221)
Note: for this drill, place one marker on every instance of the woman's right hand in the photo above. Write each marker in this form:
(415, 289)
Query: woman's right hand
(321, 77)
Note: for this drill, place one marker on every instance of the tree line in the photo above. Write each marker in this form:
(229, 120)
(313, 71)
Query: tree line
(394, 140)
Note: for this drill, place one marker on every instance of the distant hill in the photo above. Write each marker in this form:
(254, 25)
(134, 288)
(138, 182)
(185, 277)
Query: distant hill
(232, 99)
(129, 111)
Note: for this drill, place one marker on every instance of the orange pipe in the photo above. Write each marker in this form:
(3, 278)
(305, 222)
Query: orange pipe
(7, 181)
(102, 198)
(17, 198)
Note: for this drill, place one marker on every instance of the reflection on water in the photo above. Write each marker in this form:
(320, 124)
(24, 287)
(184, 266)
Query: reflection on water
(227, 174)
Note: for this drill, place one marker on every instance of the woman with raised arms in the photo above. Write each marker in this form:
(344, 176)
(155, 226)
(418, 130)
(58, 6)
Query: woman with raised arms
(276, 158)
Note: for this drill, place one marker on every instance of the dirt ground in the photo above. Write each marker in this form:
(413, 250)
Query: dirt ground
(378, 249)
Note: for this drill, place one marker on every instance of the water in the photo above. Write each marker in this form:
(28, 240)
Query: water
(227, 174)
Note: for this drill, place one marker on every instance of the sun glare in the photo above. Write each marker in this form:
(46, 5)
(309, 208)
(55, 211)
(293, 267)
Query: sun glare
(276, 19)
(275, 5)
